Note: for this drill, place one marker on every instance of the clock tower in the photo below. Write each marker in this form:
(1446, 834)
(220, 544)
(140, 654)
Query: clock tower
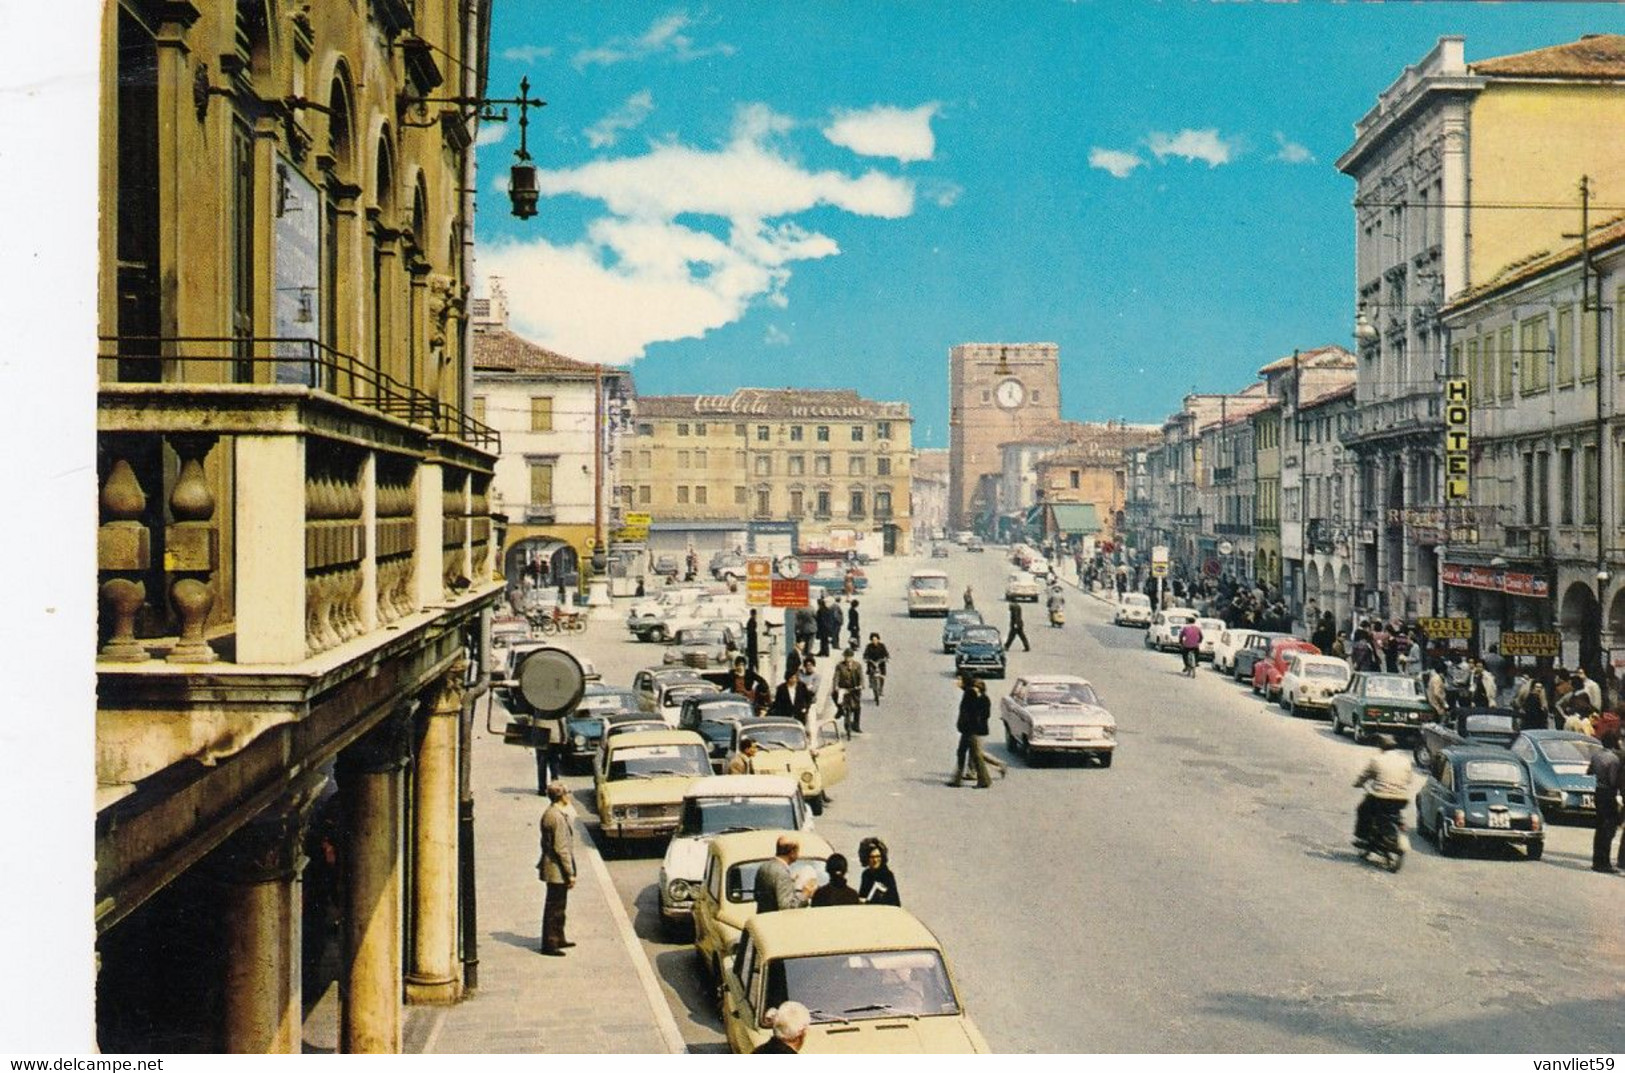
(997, 392)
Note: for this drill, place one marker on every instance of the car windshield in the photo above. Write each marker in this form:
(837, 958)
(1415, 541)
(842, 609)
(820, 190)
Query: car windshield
(716, 731)
(1334, 671)
(720, 815)
(740, 886)
(986, 635)
(863, 986)
(1069, 694)
(928, 583)
(726, 711)
(1180, 620)
(620, 700)
(653, 761)
(674, 696)
(779, 736)
(1489, 724)
(963, 618)
(1392, 687)
(1136, 600)
(1492, 771)
(700, 637)
(1569, 750)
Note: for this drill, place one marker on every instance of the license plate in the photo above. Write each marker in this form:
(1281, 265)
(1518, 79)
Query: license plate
(1588, 801)
(1500, 820)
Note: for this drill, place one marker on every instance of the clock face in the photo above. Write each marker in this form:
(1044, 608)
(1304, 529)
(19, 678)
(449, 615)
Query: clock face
(1010, 394)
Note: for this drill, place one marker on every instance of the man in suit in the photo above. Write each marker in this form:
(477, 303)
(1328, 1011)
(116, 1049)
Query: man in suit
(557, 866)
(792, 700)
(752, 644)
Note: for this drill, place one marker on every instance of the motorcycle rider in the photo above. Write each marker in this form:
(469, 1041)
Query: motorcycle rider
(1389, 776)
(1057, 606)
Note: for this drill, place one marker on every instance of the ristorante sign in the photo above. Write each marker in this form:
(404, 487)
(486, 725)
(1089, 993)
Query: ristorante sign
(1493, 579)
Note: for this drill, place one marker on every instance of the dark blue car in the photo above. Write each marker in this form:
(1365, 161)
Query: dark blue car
(980, 652)
(954, 625)
(1557, 761)
(1480, 793)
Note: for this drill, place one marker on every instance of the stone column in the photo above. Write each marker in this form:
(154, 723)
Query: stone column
(259, 867)
(370, 779)
(435, 975)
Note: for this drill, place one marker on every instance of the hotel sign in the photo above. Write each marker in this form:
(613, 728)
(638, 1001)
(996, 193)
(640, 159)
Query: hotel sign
(1457, 480)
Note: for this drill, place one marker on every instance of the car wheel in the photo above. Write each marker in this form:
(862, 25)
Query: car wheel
(1256, 690)
(1421, 824)
(1291, 708)
(1534, 849)
(1009, 738)
(1105, 759)
(1420, 754)
(1442, 839)
(1357, 732)
(817, 805)
(658, 635)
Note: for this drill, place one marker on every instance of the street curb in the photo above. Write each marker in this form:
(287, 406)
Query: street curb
(665, 1023)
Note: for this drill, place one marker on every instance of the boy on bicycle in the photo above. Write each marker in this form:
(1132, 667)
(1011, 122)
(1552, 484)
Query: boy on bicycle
(874, 663)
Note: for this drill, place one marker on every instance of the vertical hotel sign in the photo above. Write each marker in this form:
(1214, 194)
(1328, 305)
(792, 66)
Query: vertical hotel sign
(1457, 481)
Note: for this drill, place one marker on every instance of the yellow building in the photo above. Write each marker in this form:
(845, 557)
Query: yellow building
(1094, 472)
(294, 549)
(710, 469)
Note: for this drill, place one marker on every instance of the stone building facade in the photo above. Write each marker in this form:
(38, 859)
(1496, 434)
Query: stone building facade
(997, 393)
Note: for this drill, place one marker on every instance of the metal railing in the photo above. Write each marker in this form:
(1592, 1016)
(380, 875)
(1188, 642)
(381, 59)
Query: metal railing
(296, 361)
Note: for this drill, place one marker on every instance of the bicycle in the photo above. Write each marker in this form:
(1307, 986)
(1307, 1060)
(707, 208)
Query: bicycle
(850, 710)
(876, 670)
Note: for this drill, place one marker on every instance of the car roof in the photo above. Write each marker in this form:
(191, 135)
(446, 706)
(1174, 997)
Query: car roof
(928, 573)
(1220, 621)
(837, 928)
(1052, 680)
(728, 785)
(769, 721)
(1558, 735)
(757, 845)
(1321, 657)
(700, 700)
(1479, 752)
(656, 737)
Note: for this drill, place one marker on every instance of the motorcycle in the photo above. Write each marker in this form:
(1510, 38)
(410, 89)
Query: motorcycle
(1057, 616)
(1388, 839)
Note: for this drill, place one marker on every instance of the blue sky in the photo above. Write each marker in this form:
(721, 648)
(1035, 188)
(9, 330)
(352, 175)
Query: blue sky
(834, 194)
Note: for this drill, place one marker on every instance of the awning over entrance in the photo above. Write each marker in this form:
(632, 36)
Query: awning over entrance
(1071, 519)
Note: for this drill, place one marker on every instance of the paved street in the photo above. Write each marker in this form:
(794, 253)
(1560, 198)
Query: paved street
(1200, 895)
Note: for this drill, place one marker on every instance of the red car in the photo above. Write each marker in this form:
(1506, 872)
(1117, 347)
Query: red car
(1267, 671)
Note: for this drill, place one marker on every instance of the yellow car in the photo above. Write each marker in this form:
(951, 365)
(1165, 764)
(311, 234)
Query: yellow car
(874, 978)
(726, 898)
(641, 780)
(787, 750)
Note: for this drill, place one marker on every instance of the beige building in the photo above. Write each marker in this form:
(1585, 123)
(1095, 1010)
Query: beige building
(998, 393)
(928, 494)
(294, 544)
(1093, 470)
(710, 469)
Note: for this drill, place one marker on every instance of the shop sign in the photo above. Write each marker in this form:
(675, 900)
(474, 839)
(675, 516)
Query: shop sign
(1457, 480)
(759, 581)
(638, 519)
(1531, 644)
(1490, 579)
(789, 593)
(1447, 629)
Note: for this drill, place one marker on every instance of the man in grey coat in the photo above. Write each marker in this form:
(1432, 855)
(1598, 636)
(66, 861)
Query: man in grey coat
(557, 866)
(775, 886)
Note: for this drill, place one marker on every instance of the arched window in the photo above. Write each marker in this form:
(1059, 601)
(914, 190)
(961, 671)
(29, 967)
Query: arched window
(384, 200)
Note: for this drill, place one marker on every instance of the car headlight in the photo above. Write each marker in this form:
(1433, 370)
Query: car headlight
(679, 890)
(1039, 730)
(617, 812)
(806, 778)
(1303, 690)
(579, 740)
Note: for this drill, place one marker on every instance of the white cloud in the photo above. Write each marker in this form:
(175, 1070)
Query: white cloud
(941, 192)
(1291, 152)
(1204, 145)
(527, 53)
(1116, 161)
(900, 133)
(638, 276)
(607, 131)
(664, 37)
(775, 336)
(491, 133)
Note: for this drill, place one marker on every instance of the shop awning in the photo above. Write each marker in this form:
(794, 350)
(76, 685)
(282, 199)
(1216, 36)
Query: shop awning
(1074, 518)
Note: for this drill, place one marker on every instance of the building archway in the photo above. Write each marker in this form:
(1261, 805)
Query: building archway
(1580, 619)
(1343, 595)
(540, 565)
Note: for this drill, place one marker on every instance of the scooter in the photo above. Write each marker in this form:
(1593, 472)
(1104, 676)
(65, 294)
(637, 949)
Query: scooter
(1057, 617)
(1390, 842)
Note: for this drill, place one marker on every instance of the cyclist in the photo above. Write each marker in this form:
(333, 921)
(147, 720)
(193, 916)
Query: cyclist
(849, 681)
(874, 664)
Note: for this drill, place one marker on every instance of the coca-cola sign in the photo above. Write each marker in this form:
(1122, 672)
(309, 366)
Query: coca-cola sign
(1492, 579)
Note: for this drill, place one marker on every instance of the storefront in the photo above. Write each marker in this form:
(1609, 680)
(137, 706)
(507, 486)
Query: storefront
(1501, 596)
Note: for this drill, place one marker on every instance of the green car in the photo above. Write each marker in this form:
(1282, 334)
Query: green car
(1380, 703)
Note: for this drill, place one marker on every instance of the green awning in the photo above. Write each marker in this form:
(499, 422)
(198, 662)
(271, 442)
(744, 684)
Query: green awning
(1074, 518)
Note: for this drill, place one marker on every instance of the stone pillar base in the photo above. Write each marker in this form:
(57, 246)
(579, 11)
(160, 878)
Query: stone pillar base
(426, 992)
(598, 594)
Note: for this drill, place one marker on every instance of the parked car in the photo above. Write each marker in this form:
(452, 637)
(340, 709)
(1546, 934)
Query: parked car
(980, 652)
(669, 698)
(1267, 672)
(726, 899)
(647, 682)
(974, 544)
(831, 575)
(939, 551)
(1479, 793)
(1057, 713)
(705, 610)
(585, 725)
(874, 977)
(1022, 586)
(645, 613)
(726, 566)
(787, 749)
(1225, 646)
(1212, 630)
(1380, 703)
(1163, 633)
(1310, 682)
(1557, 762)
(722, 804)
(701, 647)
(668, 566)
(641, 780)
(712, 716)
(1134, 609)
(1039, 567)
(1470, 726)
(927, 593)
(1253, 649)
(955, 624)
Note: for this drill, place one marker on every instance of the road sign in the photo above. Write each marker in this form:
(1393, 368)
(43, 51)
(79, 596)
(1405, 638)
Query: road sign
(629, 534)
(1211, 567)
(788, 593)
(759, 568)
(1159, 554)
(1447, 629)
(638, 519)
(1531, 644)
(1159, 569)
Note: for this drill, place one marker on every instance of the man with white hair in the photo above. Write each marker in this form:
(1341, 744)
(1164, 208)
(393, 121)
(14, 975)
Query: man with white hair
(789, 1020)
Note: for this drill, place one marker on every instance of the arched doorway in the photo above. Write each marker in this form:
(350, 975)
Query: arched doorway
(539, 566)
(1343, 594)
(1580, 618)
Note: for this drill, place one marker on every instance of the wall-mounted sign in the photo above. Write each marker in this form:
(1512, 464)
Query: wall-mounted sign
(1531, 644)
(1458, 483)
(1447, 629)
(1491, 579)
(790, 593)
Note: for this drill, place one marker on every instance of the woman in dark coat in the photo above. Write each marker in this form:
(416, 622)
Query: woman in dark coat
(877, 885)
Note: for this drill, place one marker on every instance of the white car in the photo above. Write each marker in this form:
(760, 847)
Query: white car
(705, 611)
(1022, 586)
(1134, 609)
(1212, 630)
(1038, 566)
(1229, 642)
(1310, 682)
(720, 805)
(1057, 713)
(646, 613)
(1163, 633)
(927, 593)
